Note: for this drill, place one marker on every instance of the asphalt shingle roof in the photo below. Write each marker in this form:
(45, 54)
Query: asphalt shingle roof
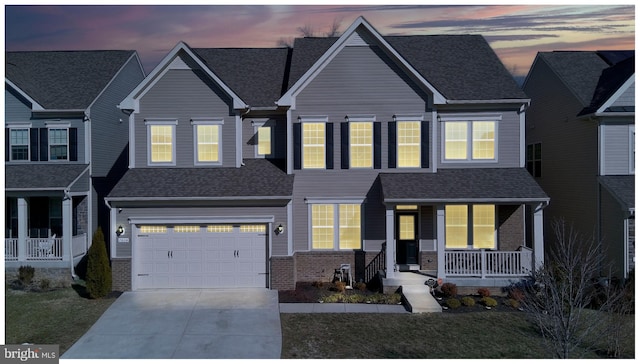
(258, 177)
(64, 79)
(622, 188)
(255, 74)
(461, 67)
(462, 184)
(34, 176)
(610, 81)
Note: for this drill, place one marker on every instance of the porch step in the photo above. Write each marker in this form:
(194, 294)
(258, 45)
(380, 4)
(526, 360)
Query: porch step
(419, 299)
(408, 267)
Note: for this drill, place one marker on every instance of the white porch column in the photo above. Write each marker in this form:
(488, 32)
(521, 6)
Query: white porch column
(391, 243)
(67, 229)
(23, 216)
(440, 225)
(538, 237)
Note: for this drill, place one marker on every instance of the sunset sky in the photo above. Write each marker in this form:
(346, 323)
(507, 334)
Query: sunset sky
(515, 32)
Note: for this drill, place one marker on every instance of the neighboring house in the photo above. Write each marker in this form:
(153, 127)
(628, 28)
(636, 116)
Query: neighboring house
(267, 167)
(64, 146)
(581, 145)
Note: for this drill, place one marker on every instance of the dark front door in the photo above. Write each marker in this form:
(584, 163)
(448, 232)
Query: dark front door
(407, 238)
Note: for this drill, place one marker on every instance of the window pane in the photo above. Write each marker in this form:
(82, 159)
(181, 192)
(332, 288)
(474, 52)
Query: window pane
(264, 140)
(219, 228)
(19, 153)
(161, 143)
(456, 226)
(483, 140)
(322, 226)
(408, 144)
(361, 148)
(19, 136)
(153, 229)
(407, 227)
(208, 143)
(313, 141)
(58, 152)
(350, 235)
(484, 226)
(455, 146)
(186, 228)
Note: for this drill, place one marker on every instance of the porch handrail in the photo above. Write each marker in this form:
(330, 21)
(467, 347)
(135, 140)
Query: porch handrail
(44, 249)
(483, 263)
(11, 249)
(376, 264)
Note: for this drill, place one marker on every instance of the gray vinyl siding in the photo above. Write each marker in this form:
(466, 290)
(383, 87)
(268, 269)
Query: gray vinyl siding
(278, 125)
(616, 149)
(278, 246)
(109, 125)
(507, 140)
(628, 98)
(569, 152)
(612, 232)
(427, 228)
(184, 94)
(16, 108)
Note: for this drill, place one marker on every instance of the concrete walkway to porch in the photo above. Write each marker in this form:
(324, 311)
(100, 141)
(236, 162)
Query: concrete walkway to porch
(415, 291)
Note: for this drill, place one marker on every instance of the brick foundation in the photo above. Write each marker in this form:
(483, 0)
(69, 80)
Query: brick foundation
(429, 261)
(121, 274)
(282, 273)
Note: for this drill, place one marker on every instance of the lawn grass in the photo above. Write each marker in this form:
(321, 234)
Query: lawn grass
(58, 317)
(478, 335)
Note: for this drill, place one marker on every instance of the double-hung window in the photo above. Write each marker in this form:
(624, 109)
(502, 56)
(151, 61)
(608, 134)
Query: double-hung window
(470, 226)
(19, 140)
(408, 144)
(58, 144)
(313, 145)
(361, 144)
(335, 226)
(207, 141)
(469, 140)
(263, 137)
(161, 139)
(534, 159)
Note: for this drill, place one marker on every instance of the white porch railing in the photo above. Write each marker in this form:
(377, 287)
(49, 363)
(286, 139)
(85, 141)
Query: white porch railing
(44, 249)
(10, 249)
(79, 245)
(483, 263)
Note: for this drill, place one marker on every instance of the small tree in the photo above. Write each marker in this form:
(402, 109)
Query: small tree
(98, 270)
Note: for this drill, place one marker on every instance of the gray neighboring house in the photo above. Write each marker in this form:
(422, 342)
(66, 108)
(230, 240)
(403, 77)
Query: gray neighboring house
(581, 145)
(268, 167)
(65, 146)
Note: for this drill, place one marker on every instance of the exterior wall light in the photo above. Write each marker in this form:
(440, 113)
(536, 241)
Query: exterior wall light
(119, 230)
(279, 229)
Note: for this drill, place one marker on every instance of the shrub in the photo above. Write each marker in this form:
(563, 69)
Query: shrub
(317, 284)
(334, 298)
(361, 286)
(512, 302)
(45, 284)
(25, 274)
(452, 303)
(340, 286)
(394, 298)
(484, 292)
(516, 294)
(98, 269)
(449, 289)
(468, 301)
(489, 302)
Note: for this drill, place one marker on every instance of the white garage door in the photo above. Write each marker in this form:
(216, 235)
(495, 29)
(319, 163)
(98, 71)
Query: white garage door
(194, 256)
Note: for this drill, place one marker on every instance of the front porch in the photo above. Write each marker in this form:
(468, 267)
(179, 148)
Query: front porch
(32, 251)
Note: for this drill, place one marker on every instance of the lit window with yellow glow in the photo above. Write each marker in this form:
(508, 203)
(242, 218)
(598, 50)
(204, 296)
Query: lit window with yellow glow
(407, 227)
(484, 226)
(484, 140)
(361, 144)
(264, 140)
(322, 222)
(456, 217)
(161, 143)
(350, 234)
(313, 145)
(455, 140)
(408, 144)
(208, 143)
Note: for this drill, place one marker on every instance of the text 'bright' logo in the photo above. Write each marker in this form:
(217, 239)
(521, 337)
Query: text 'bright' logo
(24, 353)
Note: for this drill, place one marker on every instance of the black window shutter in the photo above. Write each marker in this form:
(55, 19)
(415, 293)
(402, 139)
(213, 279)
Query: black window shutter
(44, 144)
(73, 144)
(329, 146)
(424, 144)
(392, 144)
(297, 146)
(7, 140)
(377, 146)
(33, 140)
(344, 145)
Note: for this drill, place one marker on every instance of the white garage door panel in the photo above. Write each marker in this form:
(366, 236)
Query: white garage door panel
(201, 259)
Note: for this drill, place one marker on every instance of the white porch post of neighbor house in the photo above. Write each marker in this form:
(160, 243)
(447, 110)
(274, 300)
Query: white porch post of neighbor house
(440, 225)
(538, 237)
(23, 216)
(391, 243)
(67, 230)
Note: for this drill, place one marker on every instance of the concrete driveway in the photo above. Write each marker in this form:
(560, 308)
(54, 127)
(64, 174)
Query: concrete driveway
(186, 324)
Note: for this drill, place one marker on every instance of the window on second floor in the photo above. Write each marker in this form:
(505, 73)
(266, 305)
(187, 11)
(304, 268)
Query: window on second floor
(19, 140)
(313, 145)
(161, 137)
(534, 159)
(361, 144)
(408, 143)
(264, 140)
(208, 143)
(469, 140)
(58, 144)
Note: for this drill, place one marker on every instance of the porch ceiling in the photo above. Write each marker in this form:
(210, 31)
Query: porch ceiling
(462, 185)
(52, 176)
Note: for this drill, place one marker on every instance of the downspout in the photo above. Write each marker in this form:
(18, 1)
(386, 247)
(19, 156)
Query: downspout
(74, 276)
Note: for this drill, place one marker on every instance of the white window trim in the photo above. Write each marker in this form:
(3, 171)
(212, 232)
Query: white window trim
(401, 119)
(313, 118)
(206, 121)
(370, 122)
(469, 158)
(336, 221)
(360, 118)
(17, 127)
(470, 229)
(164, 122)
(632, 147)
(257, 124)
(57, 126)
